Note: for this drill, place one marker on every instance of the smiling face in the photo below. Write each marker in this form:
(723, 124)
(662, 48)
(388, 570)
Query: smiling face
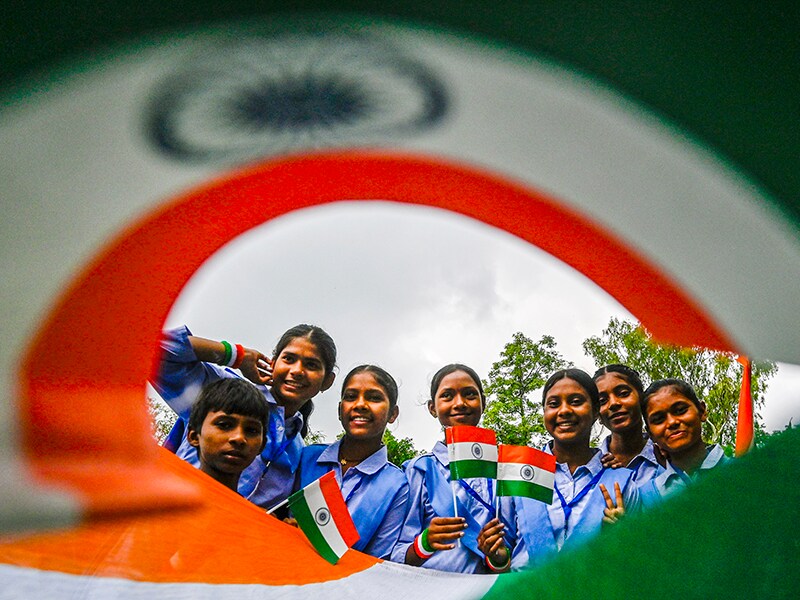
(619, 403)
(458, 400)
(298, 374)
(365, 409)
(227, 443)
(568, 413)
(675, 422)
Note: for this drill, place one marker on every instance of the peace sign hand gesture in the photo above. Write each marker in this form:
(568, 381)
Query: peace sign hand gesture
(613, 513)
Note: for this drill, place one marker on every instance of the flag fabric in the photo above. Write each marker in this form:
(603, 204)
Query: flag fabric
(472, 452)
(524, 471)
(745, 424)
(322, 514)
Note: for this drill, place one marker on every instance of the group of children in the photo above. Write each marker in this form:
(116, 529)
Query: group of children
(248, 435)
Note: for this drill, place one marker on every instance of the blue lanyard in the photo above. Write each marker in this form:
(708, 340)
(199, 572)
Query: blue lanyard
(487, 505)
(568, 506)
(354, 490)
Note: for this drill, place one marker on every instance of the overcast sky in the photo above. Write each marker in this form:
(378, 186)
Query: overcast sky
(409, 289)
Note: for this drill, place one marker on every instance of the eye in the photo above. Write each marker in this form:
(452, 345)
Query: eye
(577, 400)
(224, 423)
(349, 395)
(253, 431)
(656, 419)
(603, 398)
(376, 396)
(446, 394)
(288, 358)
(679, 409)
(470, 393)
(553, 403)
(623, 392)
(313, 365)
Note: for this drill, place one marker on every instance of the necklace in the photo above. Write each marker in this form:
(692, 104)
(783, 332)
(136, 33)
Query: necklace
(344, 462)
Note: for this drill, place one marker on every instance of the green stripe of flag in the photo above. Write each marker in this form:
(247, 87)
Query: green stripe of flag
(309, 526)
(526, 489)
(464, 469)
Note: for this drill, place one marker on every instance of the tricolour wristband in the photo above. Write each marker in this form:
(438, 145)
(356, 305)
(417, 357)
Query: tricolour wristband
(495, 568)
(421, 547)
(226, 359)
(239, 356)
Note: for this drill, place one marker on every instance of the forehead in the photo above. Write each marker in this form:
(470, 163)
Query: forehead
(566, 387)
(302, 347)
(456, 380)
(364, 380)
(664, 398)
(243, 419)
(610, 380)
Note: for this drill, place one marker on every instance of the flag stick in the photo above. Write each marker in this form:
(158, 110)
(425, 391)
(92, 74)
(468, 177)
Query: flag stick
(455, 506)
(277, 506)
(496, 501)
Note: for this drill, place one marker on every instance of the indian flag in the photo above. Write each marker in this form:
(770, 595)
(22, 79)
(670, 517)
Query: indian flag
(524, 471)
(472, 452)
(323, 516)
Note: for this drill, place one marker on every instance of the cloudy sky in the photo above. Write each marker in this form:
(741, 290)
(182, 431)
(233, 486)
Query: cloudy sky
(409, 289)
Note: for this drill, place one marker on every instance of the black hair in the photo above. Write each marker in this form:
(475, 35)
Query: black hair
(231, 396)
(327, 350)
(679, 385)
(631, 376)
(384, 379)
(452, 368)
(579, 376)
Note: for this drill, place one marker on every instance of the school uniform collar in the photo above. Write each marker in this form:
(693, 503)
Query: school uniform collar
(369, 466)
(594, 466)
(714, 456)
(440, 453)
(648, 453)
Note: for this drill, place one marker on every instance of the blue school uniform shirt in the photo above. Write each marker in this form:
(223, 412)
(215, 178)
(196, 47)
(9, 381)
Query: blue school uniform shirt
(431, 495)
(672, 479)
(181, 377)
(536, 530)
(375, 491)
(644, 465)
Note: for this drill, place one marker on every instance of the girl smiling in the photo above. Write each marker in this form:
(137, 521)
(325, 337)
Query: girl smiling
(432, 537)
(301, 367)
(586, 493)
(628, 445)
(375, 491)
(674, 417)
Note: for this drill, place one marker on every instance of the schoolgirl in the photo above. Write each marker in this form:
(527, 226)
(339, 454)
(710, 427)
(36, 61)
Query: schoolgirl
(432, 537)
(301, 366)
(376, 491)
(586, 493)
(674, 417)
(628, 444)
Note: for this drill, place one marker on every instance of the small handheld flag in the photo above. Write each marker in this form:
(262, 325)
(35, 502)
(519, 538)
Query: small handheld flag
(472, 452)
(322, 514)
(524, 471)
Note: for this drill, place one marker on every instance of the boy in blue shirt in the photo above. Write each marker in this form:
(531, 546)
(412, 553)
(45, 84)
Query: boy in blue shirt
(227, 425)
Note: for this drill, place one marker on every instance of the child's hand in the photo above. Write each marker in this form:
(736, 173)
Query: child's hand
(290, 521)
(491, 542)
(444, 531)
(609, 461)
(256, 367)
(612, 513)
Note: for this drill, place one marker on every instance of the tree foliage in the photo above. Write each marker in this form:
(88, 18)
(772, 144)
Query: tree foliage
(399, 449)
(715, 376)
(512, 410)
(162, 418)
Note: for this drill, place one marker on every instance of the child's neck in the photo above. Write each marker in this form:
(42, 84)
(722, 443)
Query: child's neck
(626, 444)
(353, 451)
(229, 480)
(690, 461)
(573, 455)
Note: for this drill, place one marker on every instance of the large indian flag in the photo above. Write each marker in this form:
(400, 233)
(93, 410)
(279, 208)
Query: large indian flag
(669, 166)
(472, 452)
(322, 514)
(524, 471)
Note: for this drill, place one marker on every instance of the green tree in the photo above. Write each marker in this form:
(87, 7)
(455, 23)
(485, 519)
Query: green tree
(162, 418)
(512, 410)
(715, 376)
(399, 449)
